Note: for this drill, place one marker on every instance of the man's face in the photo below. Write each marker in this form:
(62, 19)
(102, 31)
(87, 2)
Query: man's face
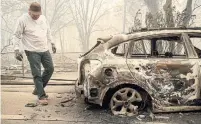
(34, 15)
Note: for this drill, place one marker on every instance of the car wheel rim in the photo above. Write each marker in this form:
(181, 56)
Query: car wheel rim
(125, 101)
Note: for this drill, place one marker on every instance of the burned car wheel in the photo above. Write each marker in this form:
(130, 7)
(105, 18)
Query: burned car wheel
(126, 102)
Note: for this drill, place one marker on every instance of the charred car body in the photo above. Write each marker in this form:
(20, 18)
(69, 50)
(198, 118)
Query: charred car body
(159, 69)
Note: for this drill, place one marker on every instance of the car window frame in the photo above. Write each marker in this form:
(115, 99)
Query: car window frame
(126, 50)
(187, 42)
(129, 50)
(196, 35)
(158, 36)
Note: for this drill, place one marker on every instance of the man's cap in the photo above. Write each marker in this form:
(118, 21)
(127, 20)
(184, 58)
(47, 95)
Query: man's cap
(35, 8)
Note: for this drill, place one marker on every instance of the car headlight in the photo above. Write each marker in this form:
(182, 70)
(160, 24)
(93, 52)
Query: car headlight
(108, 72)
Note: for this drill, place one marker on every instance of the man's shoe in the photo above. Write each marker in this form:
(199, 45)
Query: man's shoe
(43, 101)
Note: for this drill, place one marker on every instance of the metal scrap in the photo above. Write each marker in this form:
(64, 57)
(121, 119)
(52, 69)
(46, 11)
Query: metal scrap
(67, 100)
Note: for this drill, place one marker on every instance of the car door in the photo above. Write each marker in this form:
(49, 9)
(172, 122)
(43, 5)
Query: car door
(167, 67)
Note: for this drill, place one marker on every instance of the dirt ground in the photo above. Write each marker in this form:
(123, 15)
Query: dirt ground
(64, 108)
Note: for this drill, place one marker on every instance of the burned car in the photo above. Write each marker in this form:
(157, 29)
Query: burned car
(158, 69)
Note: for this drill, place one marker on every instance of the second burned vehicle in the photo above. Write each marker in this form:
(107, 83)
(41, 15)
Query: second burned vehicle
(159, 69)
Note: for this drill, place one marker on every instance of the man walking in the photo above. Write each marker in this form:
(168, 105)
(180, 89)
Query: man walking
(33, 30)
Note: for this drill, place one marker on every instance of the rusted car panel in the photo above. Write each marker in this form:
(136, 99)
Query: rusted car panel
(171, 83)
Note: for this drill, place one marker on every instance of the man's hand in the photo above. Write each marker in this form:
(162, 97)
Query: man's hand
(54, 49)
(18, 55)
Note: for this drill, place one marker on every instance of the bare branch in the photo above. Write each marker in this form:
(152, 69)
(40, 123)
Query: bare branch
(196, 7)
(56, 10)
(6, 23)
(95, 21)
(101, 30)
(86, 13)
(5, 47)
(99, 7)
(7, 31)
(92, 12)
(65, 25)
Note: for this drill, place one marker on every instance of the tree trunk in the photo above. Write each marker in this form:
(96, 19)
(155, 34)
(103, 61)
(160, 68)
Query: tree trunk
(187, 13)
(152, 15)
(124, 16)
(45, 8)
(186, 16)
(85, 44)
(61, 43)
(169, 19)
(169, 13)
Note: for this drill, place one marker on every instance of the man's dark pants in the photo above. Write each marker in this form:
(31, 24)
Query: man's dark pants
(40, 80)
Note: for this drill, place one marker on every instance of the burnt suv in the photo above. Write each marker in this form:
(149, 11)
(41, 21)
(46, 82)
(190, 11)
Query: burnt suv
(158, 69)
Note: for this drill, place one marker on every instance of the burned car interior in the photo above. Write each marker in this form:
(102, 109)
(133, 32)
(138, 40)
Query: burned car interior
(156, 69)
(162, 47)
(198, 51)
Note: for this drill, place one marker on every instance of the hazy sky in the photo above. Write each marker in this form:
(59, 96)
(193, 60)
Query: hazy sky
(113, 21)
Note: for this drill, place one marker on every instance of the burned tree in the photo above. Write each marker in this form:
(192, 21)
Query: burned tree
(168, 17)
(187, 14)
(168, 9)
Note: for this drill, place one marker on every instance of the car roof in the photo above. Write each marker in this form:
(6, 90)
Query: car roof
(170, 28)
(120, 38)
